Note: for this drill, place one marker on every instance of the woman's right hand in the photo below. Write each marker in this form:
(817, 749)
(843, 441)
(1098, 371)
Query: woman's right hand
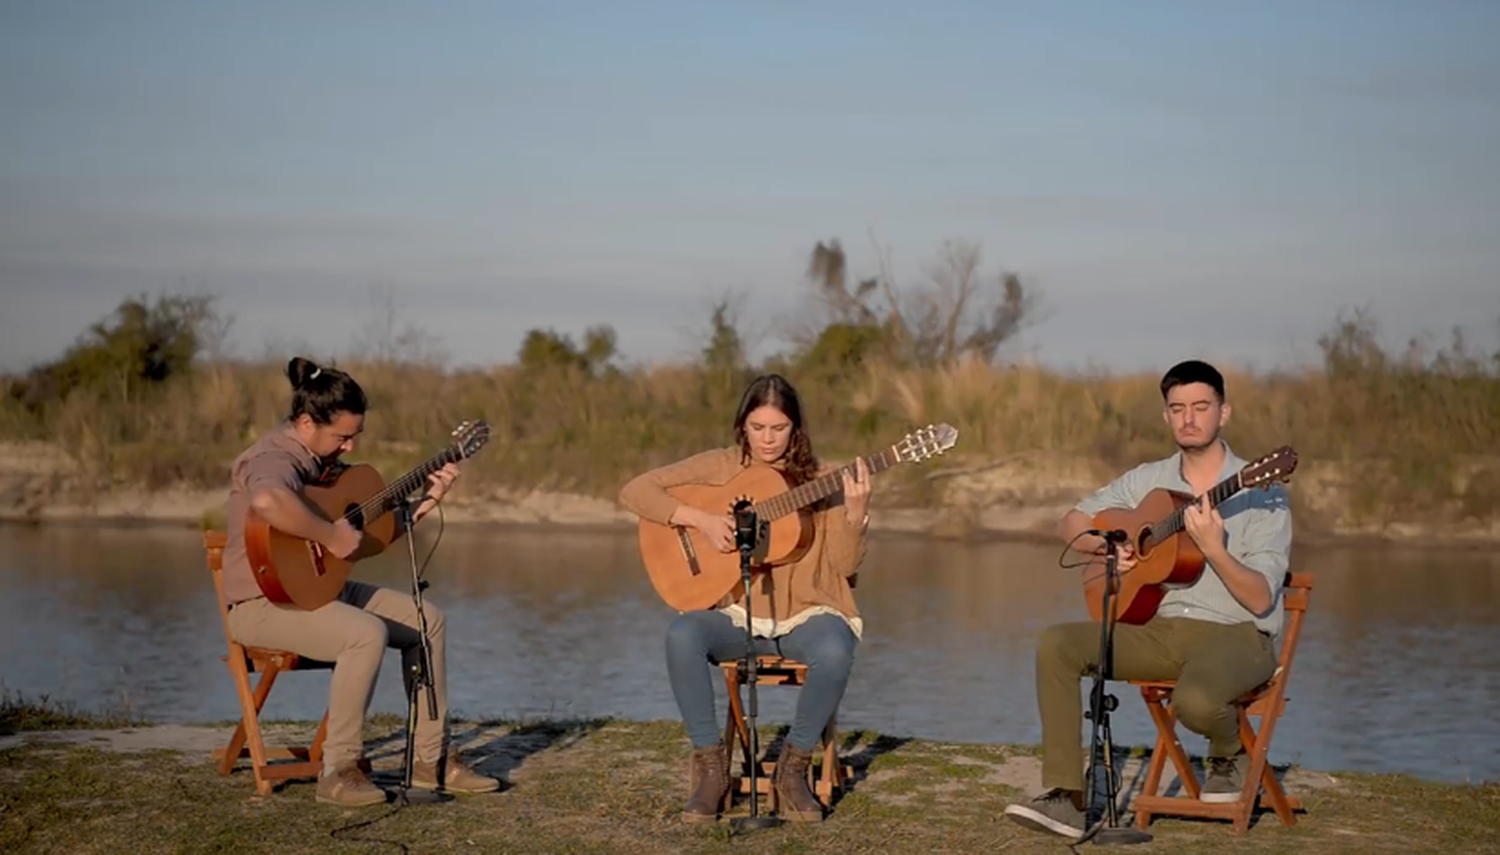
(718, 529)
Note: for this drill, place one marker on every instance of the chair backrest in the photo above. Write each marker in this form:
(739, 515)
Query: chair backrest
(213, 545)
(1296, 594)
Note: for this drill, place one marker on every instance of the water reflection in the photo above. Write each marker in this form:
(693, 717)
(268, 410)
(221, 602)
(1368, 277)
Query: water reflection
(1399, 668)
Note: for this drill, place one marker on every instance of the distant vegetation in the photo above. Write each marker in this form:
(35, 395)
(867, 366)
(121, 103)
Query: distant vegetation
(146, 396)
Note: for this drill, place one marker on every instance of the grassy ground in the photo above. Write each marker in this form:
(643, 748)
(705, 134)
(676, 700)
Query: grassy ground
(617, 787)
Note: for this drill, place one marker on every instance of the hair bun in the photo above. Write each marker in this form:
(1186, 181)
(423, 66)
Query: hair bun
(300, 371)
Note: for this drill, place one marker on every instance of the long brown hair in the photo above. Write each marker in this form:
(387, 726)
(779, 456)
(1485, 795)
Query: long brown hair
(775, 391)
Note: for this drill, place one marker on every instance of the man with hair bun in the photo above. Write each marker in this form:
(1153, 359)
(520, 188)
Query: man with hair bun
(327, 413)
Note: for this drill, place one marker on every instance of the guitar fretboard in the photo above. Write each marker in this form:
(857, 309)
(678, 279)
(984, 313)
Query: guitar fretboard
(384, 501)
(822, 487)
(1175, 523)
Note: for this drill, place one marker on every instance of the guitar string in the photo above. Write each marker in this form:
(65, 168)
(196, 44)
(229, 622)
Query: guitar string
(376, 505)
(818, 488)
(1173, 523)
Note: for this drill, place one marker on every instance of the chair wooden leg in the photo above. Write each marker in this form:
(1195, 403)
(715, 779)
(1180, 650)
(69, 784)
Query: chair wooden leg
(250, 721)
(1261, 775)
(827, 779)
(235, 749)
(736, 725)
(1167, 746)
(1153, 777)
(315, 751)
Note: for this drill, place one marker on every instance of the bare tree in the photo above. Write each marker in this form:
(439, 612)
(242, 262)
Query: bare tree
(384, 340)
(956, 311)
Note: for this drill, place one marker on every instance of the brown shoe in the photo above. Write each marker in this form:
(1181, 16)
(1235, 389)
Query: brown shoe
(458, 778)
(708, 784)
(349, 787)
(794, 800)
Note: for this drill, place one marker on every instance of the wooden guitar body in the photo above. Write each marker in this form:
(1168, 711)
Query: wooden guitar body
(1160, 566)
(300, 573)
(1166, 556)
(689, 573)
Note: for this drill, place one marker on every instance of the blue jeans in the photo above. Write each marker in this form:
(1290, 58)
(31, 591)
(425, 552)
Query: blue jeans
(698, 640)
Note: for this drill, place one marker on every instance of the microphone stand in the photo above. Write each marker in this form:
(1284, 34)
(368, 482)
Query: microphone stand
(416, 672)
(745, 528)
(1107, 831)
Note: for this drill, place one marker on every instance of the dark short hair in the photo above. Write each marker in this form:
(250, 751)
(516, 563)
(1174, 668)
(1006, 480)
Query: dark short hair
(1192, 371)
(322, 393)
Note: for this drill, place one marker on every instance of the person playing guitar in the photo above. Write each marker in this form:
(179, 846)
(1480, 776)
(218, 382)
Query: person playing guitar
(803, 610)
(327, 414)
(1215, 636)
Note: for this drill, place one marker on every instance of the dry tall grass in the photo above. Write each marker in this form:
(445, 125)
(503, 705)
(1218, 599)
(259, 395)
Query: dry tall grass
(1413, 430)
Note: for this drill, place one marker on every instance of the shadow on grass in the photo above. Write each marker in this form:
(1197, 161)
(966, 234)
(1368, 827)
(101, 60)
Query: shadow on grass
(491, 747)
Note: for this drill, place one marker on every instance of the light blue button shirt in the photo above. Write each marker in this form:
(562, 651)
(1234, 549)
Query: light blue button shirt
(1257, 529)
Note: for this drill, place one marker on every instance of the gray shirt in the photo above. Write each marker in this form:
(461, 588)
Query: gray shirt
(1257, 530)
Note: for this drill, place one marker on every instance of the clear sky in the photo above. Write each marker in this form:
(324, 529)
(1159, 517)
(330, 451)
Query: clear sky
(1178, 178)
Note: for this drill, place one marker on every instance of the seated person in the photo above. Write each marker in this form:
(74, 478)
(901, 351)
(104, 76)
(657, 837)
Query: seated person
(1215, 637)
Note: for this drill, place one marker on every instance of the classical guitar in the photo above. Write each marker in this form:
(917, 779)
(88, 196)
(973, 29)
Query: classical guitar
(295, 572)
(689, 573)
(1166, 556)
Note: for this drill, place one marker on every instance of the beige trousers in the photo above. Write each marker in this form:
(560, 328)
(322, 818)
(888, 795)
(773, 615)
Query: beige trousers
(353, 632)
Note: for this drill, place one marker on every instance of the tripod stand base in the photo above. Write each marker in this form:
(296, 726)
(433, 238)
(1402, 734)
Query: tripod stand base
(751, 823)
(1119, 836)
(415, 796)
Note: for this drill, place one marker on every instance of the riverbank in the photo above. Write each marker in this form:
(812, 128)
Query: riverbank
(612, 786)
(1018, 496)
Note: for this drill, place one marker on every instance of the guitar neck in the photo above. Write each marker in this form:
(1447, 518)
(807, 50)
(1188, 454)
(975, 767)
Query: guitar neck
(1176, 522)
(386, 500)
(822, 487)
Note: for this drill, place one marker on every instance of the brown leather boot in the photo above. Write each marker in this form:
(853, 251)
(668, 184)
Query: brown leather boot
(795, 802)
(708, 784)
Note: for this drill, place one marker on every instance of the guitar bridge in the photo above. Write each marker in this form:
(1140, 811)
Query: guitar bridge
(689, 552)
(317, 558)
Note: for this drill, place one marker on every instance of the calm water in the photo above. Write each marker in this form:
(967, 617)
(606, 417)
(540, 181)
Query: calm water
(1399, 668)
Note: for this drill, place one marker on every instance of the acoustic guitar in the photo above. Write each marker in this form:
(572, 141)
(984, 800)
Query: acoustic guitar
(292, 571)
(1166, 556)
(689, 573)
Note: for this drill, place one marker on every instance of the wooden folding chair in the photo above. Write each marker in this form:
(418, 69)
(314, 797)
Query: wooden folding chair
(825, 779)
(1267, 702)
(242, 661)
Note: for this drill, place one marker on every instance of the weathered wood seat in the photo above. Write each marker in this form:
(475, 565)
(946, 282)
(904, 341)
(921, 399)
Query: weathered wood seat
(242, 661)
(1266, 702)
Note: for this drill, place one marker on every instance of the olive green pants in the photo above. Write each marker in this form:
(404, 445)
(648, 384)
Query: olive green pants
(1213, 663)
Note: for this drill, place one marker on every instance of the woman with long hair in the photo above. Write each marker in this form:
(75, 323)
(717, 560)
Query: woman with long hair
(803, 610)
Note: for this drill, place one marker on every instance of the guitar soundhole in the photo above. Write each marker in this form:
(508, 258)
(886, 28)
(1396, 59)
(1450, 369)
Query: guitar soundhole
(1142, 542)
(355, 516)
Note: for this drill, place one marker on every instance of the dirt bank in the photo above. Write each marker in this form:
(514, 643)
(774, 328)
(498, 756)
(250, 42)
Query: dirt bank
(1019, 496)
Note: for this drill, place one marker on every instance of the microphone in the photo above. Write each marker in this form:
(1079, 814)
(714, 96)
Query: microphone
(744, 527)
(1117, 535)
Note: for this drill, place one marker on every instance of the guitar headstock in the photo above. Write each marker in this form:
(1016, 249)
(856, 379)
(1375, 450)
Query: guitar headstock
(926, 442)
(470, 436)
(1276, 466)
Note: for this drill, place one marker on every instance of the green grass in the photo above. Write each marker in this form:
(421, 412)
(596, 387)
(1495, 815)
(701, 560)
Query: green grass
(617, 787)
(19, 713)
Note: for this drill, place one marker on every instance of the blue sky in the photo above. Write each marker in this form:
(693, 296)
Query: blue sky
(1177, 178)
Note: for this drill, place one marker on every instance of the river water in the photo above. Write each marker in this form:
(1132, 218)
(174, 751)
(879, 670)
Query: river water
(1398, 669)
